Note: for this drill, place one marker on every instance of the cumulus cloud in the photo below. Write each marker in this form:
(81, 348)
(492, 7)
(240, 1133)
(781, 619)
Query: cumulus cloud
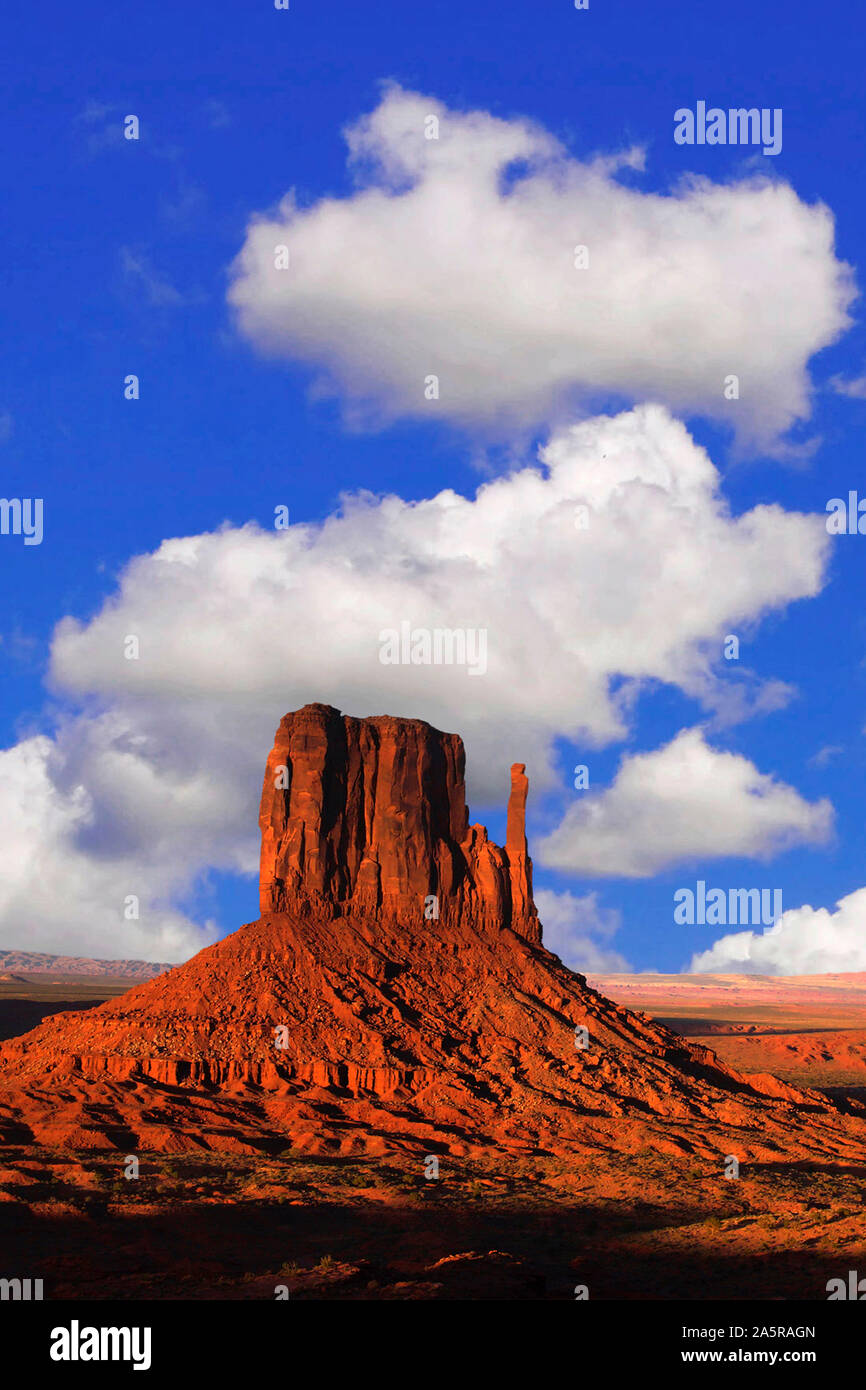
(455, 257)
(60, 891)
(645, 592)
(682, 802)
(577, 930)
(160, 771)
(804, 941)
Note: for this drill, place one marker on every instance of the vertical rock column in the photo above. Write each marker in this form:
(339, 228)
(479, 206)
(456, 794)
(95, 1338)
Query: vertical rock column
(523, 910)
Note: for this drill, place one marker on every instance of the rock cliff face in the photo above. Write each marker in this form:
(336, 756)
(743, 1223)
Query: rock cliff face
(369, 815)
(350, 1018)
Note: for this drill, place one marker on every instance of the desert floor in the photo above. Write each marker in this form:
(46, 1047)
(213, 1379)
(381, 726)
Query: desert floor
(520, 1227)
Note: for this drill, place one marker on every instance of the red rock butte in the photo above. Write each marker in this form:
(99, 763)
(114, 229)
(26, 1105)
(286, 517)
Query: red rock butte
(369, 816)
(395, 994)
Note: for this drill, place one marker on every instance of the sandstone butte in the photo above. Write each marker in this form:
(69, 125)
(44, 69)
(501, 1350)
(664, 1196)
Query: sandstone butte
(350, 1019)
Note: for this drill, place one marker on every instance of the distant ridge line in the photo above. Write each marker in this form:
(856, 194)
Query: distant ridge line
(40, 963)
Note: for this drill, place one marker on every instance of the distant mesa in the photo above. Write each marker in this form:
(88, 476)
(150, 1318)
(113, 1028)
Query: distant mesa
(37, 963)
(394, 995)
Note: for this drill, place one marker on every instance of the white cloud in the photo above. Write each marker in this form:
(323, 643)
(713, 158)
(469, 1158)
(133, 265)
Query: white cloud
(60, 891)
(826, 755)
(576, 928)
(683, 802)
(645, 593)
(804, 941)
(855, 387)
(238, 626)
(455, 257)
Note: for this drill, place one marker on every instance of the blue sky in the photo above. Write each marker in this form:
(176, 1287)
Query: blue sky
(117, 259)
